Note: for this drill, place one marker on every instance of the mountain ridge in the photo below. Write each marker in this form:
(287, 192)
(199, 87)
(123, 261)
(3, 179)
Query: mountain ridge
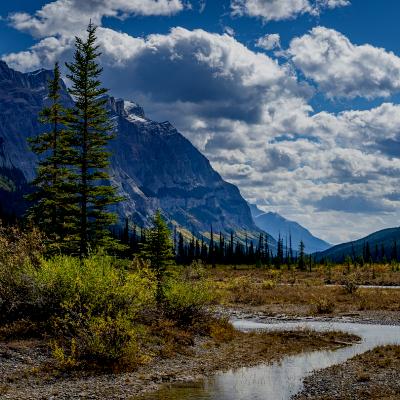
(357, 248)
(153, 165)
(275, 224)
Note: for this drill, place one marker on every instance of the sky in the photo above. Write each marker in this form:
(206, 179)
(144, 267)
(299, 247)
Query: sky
(297, 102)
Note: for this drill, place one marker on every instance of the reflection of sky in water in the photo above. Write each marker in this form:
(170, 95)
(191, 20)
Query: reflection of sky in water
(279, 381)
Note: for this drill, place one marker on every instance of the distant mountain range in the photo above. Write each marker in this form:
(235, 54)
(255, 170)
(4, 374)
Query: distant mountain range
(153, 165)
(380, 244)
(276, 225)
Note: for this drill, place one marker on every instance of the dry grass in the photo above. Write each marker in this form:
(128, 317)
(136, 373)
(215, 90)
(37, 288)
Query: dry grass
(249, 287)
(374, 274)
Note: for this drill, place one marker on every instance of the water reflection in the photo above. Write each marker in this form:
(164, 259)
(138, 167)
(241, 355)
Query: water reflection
(280, 381)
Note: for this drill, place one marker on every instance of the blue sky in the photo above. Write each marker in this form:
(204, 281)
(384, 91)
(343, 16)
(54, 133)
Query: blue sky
(295, 101)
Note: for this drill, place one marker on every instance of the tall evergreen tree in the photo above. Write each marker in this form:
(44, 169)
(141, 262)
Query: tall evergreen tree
(52, 200)
(181, 249)
(376, 255)
(394, 251)
(211, 252)
(302, 263)
(279, 252)
(89, 134)
(221, 248)
(368, 255)
(290, 249)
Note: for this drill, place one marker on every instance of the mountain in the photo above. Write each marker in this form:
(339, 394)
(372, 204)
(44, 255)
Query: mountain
(21, 98)
(152, 165)
(276, 225)
(386, 238)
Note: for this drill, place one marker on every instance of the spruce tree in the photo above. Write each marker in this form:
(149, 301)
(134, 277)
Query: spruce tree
(51, 197)
(302, 263)
(89, 134)
(211, 252)
(158, 250)
(181, 250)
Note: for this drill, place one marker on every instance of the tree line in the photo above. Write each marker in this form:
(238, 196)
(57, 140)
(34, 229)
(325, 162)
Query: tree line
(220, 249)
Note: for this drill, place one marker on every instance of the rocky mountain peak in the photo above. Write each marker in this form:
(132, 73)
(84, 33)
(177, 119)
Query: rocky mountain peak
(36, 80)
(125, 109)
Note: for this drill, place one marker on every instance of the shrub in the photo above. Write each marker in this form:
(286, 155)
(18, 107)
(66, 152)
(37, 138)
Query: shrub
(221, 330)
(98, 340)
(268, 284)
(185, 300)
(20, 254)
(194, 272)
(243, 290)
(350, 286)
(91, 308)
(241, 283)
(323, 305)
(97, 308)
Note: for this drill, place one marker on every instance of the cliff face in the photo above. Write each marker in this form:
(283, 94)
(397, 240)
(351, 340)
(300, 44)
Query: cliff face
(156, 167)
(153, 165)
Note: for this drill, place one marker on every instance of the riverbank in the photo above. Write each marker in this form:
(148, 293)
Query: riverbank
(27, 370)
(372, 375)
(271, 315)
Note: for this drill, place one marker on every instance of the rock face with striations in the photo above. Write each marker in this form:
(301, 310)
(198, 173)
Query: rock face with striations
(153, 165)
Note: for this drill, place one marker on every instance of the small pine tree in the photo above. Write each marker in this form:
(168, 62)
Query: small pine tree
(181, 249)
(302, 263)
(52, 199)
(279, 252)
(211, 253)
(89, 134)
(158, 250)
(368, 255)
(394, 251)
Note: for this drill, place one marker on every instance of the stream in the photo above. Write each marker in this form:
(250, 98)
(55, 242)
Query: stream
(281, 380)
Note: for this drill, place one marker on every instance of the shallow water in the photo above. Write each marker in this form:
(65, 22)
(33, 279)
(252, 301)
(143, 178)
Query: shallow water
(281, 380)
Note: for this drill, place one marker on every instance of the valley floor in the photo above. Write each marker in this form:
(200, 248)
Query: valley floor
(299, 294)
(28, 372)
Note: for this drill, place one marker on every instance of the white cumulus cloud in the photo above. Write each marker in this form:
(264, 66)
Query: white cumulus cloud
(269, 42)
(343, 69)
(276, 10)
(71, 16)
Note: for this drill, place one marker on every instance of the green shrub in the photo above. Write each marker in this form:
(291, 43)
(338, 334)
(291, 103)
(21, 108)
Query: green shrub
(101, 340)
(92, 307)
(99, 308)
(186, 300)
(20, 254)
